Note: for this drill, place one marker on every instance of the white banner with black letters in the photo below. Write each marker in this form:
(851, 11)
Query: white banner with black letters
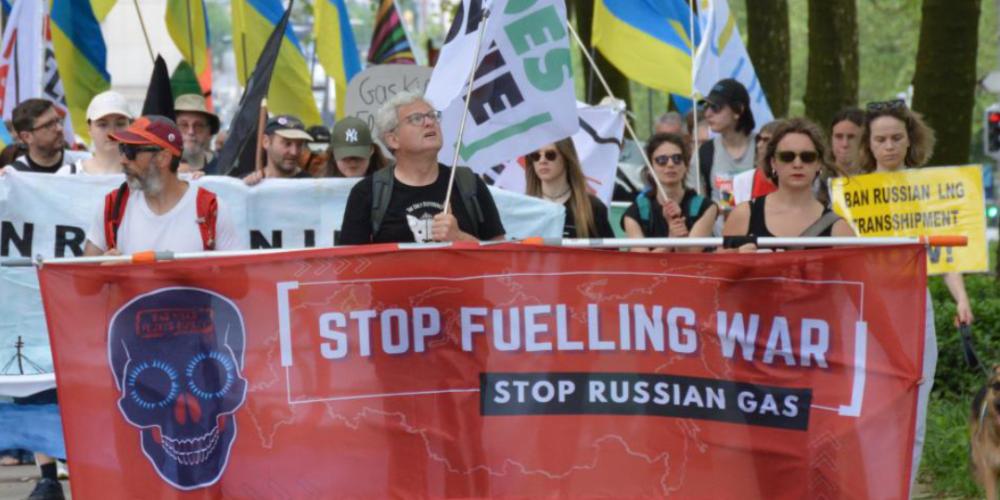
(48, 215)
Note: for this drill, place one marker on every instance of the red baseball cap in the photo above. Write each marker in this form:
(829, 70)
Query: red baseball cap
(152, 130)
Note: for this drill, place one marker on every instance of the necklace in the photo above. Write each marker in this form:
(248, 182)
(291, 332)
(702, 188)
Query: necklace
(558, 196)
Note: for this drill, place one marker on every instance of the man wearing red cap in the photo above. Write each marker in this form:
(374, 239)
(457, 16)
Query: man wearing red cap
(154, 209)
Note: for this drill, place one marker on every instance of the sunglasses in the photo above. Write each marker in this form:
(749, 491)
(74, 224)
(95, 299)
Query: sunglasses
(130, 152)
(714, 106)
(807, 157)
(874, 107)
(663, 160)
(549, 155)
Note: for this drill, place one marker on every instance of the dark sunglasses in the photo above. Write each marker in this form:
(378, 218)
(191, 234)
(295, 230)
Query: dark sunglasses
(874, 107)
(789, 156)
(130, 151)
(662, 160)
(715, 107)
(549, 155)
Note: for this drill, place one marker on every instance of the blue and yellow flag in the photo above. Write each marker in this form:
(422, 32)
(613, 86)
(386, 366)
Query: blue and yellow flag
(187, 23)
(291, 86)
(647, 40)
(81, 56)
(335, 47)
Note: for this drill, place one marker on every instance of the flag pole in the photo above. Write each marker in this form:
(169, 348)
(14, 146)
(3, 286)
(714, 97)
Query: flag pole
(628, 126)
(766, 242)
(145, 34)
(696, 158)
(465, 111)
(261, 120)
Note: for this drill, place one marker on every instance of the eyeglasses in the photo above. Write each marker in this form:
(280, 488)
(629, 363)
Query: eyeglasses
(807, 157)
(418, 118)
(549, 155)
(662, 160)
(874, 107)
(49, 125)
(130, 152)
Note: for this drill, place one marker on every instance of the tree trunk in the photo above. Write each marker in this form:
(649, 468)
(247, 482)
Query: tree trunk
(944, 82)
(616, 80)
(767, 44)
(832, 81)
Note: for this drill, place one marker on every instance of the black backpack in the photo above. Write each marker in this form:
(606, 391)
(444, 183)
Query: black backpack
(465, 181)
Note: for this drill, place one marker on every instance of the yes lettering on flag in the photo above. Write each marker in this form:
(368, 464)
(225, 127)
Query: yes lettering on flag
(522, 94)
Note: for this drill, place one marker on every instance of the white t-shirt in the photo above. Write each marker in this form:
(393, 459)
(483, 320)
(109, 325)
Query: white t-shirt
(75, 168)
(176, 231)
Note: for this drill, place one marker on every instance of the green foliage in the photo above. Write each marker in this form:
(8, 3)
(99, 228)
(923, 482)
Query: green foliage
(944, 467)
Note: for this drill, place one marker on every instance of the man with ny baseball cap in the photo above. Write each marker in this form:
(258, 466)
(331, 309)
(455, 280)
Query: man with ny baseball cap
(353, 148)
(154, 209)
(285, 137)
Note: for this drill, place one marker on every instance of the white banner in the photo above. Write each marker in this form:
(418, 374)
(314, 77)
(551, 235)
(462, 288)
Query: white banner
(48, 215)
(523, 94)
(598, 145)
(721, 54)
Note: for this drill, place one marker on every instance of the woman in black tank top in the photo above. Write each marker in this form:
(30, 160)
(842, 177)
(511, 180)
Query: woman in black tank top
(796, 155)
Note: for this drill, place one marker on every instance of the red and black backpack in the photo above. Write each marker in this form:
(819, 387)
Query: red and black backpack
(114, 212)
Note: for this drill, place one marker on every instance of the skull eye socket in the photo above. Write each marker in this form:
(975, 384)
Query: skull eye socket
(210, 375)
(153, 384)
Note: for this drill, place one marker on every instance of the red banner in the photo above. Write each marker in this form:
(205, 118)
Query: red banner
(493, 371)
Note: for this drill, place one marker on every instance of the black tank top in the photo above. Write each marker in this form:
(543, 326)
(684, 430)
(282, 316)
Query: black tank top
(758, 221)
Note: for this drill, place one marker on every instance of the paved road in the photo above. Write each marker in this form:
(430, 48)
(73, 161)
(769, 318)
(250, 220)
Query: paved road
(16, 482)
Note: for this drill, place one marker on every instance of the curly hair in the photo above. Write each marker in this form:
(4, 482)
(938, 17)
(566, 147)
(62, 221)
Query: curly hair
(920, 135)
(806, 128)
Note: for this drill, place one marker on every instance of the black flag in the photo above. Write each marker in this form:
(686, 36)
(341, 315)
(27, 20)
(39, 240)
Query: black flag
(238, 152)
(159, 97)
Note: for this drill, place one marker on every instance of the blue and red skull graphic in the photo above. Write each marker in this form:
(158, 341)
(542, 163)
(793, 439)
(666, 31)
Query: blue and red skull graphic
(177, 358)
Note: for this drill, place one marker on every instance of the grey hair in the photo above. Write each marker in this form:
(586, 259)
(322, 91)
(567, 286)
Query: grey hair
(387, 116)
(673, 118)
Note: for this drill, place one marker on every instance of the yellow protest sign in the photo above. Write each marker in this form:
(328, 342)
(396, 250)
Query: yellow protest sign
(918, 202)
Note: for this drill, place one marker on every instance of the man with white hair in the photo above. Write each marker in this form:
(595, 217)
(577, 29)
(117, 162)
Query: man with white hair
(405, 202)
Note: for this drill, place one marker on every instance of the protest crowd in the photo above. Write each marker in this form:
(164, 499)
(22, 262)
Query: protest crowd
(737, 178)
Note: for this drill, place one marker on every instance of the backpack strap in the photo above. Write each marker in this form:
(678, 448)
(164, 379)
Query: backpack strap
(382, 181)
(207, 208)
(643, 204)
(825, 222)
(465, 180)
(114, 213)
(20, 165)
(694, 208)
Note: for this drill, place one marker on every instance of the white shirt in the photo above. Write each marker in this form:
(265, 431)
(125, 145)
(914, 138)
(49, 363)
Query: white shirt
(176, 231)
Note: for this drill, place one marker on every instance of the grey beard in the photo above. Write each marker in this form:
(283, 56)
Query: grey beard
(195, 157)
(151, 184)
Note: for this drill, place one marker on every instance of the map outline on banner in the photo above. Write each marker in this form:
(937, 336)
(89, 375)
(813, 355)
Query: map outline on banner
(852, 409)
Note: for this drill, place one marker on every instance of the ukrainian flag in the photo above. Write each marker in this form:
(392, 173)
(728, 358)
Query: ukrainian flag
(81, 56)
(187, 24)
(291, 87)
(335, 47)
(647, 40)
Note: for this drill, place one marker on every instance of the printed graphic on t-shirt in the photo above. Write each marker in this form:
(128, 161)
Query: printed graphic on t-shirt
(723, 187)
(420, 218)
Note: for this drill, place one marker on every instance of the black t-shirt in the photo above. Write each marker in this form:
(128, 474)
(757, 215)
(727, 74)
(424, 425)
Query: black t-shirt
(411, 211)
(42, 169)
(598, 211)
(656, 226)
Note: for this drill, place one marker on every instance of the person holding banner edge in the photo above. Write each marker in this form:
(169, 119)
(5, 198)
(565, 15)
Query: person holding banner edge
(404, 202)
(894, 138)
(796, 156)
(554, 174)
(677, 211)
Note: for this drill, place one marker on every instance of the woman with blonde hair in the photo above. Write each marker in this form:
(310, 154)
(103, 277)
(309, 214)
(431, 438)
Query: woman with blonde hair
(894, 138)
(553, 173)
